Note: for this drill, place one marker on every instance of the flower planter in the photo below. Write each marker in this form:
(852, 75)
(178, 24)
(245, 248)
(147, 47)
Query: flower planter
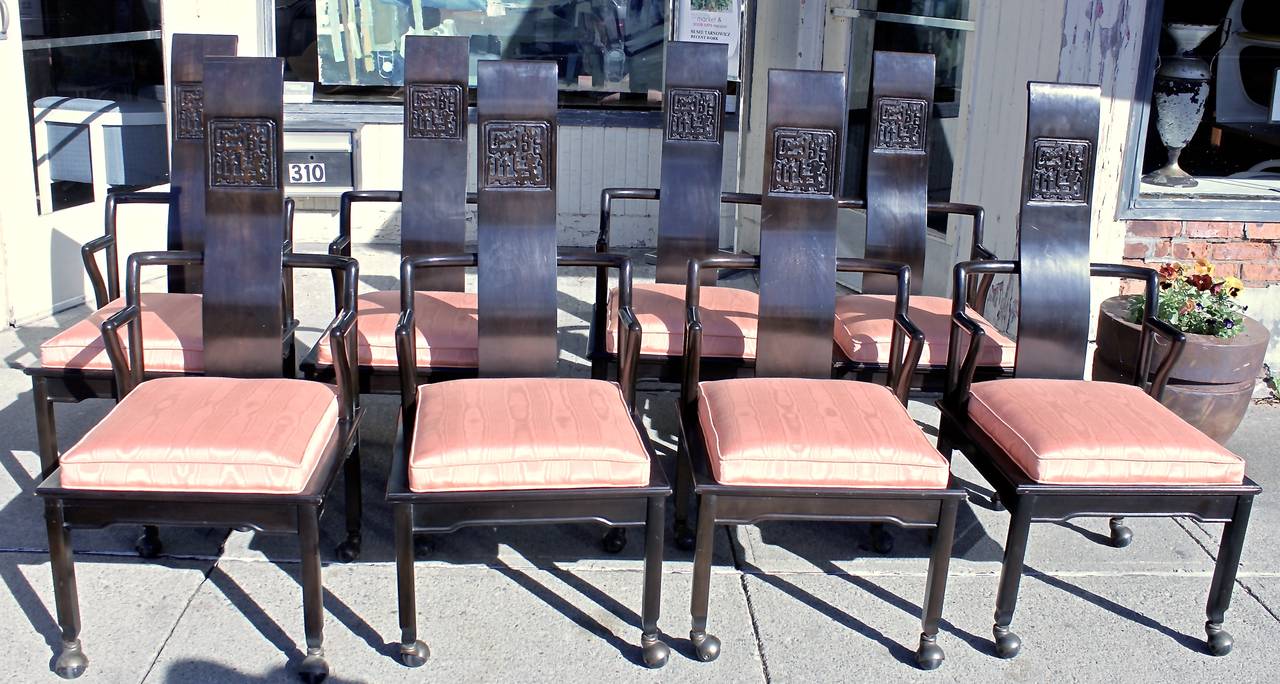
(1211, 384)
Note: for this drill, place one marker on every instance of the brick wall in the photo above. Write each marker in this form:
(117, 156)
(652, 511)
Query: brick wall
(1248, 251)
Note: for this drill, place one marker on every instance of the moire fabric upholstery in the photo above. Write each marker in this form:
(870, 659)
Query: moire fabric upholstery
(172, 339)
(524, 433)
(447, 330)
(864, 330)
(729, 318)
(814, 433)
(1099, 433)
(204, 434)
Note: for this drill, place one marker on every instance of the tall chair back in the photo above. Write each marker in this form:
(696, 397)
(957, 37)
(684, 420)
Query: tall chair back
(898, 165)
(692, 158)
(187, 53)
(432, 210)
(516, 218)
(804, 146)
(244, 205)
(1053, 244)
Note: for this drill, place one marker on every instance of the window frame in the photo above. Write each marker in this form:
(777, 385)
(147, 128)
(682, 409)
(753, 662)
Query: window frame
(1132, 205)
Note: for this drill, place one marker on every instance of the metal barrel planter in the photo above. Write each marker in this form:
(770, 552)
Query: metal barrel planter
(1212, 383)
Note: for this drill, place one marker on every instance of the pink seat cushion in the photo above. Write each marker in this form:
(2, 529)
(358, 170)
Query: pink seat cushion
(524, 433)
(447, 330)
(1097, 433)
(864, 330)
(814, 433)
(173, 340)
(728, 314)
(204, 434)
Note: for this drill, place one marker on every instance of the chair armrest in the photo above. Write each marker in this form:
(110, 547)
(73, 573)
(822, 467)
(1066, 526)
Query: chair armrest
(600, 310)
(629, 325)
(88, 254)
(104, 293)
(902, 365)
(341, 331)
(960, 372)
(406, 348)
(341, 245)
(1151, 326)
(129, 372)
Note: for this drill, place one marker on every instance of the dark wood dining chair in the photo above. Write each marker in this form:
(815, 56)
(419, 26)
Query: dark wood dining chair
(1056, 447)
(689, 203)
(897, 211)
(239, 446)
(432, 221)
(792, 443)
(518, 445)
(74, 365)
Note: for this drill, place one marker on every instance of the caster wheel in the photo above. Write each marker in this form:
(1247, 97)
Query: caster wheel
(881, 540)
(996, 503)
(1007, 643)
(1121, 536)
(415, 654)
(71, 662)
(614, 541)
(1220, 641)
(686, 540)
(655, 653)
(148, 544)
(349, 550)
(423, 546)
(707, 646)
(313, 668)
(929, 656)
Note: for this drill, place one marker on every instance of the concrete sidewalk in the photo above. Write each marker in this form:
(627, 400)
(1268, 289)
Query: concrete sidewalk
(790, 601)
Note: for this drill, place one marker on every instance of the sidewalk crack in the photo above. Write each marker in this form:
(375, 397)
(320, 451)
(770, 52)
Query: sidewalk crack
(174, 627)
(751, 610)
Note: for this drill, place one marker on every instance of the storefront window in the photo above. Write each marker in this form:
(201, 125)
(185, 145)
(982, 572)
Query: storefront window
(601, 47)
(95, 88)
(1208, 126)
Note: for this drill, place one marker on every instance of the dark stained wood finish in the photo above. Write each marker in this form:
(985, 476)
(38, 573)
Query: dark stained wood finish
(244, 207)
(898, 165)
(803, 157)
(516, 218)
(1053, 243)
(432, 211)
(692, 157)
(186, 147)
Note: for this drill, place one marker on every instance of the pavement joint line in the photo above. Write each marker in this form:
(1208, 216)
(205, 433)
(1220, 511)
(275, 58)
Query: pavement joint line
(751, 609)
(1252, 594)
(174, 627)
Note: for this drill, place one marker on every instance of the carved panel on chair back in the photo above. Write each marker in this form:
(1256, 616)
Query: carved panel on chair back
(1054, 230)
(516, 218)
(186, 148)
(692, 158)
(244, 205)
(433, 217)
(803, 160)
(898, 165)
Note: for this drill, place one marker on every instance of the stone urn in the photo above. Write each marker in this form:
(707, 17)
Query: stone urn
(1179, 94)
(1212, 383)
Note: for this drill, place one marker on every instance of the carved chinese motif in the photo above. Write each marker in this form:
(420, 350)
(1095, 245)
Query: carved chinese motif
(901, 124)
(436, 111)
(803, 161)
(190, 123)
(1060, 170)
(693, 114)
(516, 154)
(242, 153)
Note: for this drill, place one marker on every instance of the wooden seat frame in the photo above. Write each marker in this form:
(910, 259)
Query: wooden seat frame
(798, 270)
(517, 260)
(238, 269)
(1054, 307)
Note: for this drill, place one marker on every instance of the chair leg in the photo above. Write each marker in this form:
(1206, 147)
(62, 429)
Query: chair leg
(655, 652)
(1224, 577)
(71, 661)
(707, 646)
(413, 652)
(1121, 535)
(1015, 549)
(349, 549)
(929, 655)
(684, 536)
(46, 430)
(313, 667)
